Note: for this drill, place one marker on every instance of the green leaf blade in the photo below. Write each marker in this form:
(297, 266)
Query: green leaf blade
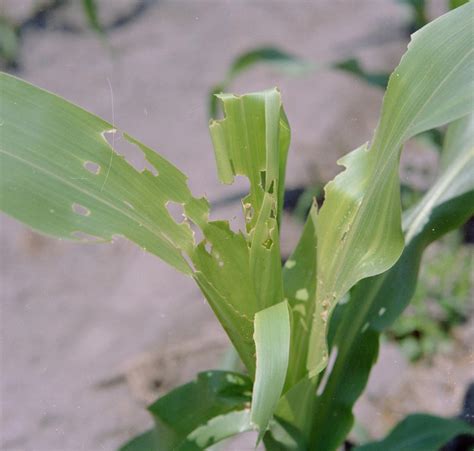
(272, 340)
(241, 273)
(62, 177)
(376, 302)
(359, 226)
(198, 414)
(422, 432)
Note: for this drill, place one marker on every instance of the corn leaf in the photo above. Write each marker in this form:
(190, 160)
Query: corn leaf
(198, 414)
(376, 302)
(241, 273)
(60, 176)
(224, 277)
(143, 442)
(456, 3)
(91, 11)
(9, 42)
(421, 432)
(353, 67)
(299, 280)
(272, 340)
(358, 228)
(252, 140)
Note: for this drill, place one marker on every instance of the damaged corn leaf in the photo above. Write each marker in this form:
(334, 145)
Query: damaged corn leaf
(358, 228)
(240, 274)
(272, 342)
(222, 272)
(252, 140)
(62, 177)
(198, 414)
(299, 280)
(376, 302)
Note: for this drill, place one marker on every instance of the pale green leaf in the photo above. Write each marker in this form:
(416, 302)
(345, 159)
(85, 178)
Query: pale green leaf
(376, 302)
(358, 228)
(252, 140)
(241, 274)
(420, 432)
(223, 274)
(272, 342)
(218, 429)
(60, 176)
(299, 280)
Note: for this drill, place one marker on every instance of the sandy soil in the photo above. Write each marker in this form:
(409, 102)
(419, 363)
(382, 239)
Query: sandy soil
(91, 333)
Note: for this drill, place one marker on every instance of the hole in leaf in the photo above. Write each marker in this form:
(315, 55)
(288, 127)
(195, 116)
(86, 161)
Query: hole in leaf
(132, 152)
(208, 247)
(109, 136)
(92, 167)
(197, 232)
(263, 176)
(248, 212)
(232, 165)
(80, 209)
(176, 210)
(268, 243)
(270, 189)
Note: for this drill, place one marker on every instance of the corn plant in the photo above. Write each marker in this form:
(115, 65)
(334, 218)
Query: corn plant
(307, 332)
